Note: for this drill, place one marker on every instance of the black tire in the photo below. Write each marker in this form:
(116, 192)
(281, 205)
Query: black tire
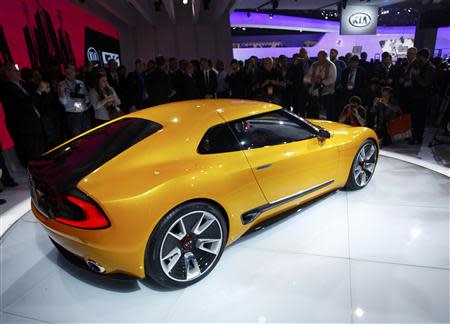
(352, 182)
(190, 254)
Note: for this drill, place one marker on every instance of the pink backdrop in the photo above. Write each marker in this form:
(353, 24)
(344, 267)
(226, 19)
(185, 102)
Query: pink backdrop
(13, 20)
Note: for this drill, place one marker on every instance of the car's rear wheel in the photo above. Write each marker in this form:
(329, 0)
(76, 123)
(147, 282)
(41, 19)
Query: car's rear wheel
(363, 166)
(186, 245)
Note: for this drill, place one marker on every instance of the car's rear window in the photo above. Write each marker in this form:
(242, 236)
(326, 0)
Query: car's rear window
(68, 164)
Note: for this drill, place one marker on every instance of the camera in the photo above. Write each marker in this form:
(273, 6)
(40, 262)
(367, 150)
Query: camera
(76, 94)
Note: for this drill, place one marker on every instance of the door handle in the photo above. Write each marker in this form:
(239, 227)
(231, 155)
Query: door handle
(265, 166)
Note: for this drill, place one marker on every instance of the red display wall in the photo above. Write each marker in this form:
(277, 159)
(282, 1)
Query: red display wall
(18, 18)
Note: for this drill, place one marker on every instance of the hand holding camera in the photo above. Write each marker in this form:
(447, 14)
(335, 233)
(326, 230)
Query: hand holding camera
(44, 87)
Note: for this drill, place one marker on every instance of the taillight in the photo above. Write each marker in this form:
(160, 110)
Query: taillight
(91, 216)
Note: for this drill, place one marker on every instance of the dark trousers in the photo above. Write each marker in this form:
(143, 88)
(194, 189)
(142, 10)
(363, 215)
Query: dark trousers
(300, 101)
(6, 176)
(327, 102)
(419, 110)
(78, 123)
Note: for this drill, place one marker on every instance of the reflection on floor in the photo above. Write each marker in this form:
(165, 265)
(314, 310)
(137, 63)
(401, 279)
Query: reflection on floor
(17, 194)
(438, 154)
(376, 255)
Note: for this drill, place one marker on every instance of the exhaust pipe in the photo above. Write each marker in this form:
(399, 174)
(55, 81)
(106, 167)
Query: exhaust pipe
(94, 266)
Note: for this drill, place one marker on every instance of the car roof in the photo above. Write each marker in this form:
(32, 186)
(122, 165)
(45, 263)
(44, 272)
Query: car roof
(187, 112)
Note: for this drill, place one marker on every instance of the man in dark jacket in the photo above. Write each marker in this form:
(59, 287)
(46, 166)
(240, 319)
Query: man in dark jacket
(158, 83)
(206, 80)
(237, 81)
(422, 76)
(137, 93)
(188, 83)
(354, 80)
(22, 118)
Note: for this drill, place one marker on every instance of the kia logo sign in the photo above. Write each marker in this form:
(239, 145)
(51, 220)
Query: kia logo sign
(92, 54)
(359, 19)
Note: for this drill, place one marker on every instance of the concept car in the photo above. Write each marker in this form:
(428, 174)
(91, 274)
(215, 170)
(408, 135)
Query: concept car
(162, 191)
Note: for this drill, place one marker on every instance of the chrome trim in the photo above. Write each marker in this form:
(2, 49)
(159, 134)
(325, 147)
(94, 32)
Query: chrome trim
(94, 266)
(300, 193)
(251, 215)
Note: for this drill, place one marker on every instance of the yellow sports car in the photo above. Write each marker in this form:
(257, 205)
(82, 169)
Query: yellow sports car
(162, 191)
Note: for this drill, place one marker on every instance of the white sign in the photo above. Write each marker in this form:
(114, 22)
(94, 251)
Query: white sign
(359, 20)
(110, 56)
(92, 54)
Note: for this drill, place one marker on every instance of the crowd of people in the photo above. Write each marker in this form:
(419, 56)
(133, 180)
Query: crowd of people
(45, 108)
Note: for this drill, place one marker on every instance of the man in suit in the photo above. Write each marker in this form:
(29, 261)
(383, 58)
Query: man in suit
(405, 89)
(22, 118)
(112, 75)
(137, 93)
(206, 80)
(423, 75)
(158, 83)
(354, 81)
(175, 74)
(386, 72)
(188, 81)
(237, 81)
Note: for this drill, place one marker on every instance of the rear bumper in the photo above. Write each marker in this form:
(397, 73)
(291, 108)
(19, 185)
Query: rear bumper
(97, 245)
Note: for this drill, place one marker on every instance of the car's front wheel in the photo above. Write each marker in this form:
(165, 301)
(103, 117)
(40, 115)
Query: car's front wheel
(186, 245)
(363, 165)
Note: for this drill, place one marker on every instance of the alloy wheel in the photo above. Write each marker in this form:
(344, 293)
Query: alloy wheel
(365, 164)
(191, 246)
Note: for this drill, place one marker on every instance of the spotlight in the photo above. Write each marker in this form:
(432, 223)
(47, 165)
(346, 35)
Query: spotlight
(270, 15)
(185, 2)
(243, 28)
(248, 14)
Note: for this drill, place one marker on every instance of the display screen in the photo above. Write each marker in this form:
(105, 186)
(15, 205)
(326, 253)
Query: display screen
(100, 48)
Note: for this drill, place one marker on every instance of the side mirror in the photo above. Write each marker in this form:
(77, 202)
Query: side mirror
(323, 134)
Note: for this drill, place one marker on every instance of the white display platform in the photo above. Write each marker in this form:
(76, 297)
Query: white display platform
(376, 255)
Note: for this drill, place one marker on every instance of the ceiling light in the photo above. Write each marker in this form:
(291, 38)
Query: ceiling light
(270, 15)
(243, 28)
(185, 2)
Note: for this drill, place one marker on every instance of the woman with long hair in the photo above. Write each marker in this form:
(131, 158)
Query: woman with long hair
(104, 100)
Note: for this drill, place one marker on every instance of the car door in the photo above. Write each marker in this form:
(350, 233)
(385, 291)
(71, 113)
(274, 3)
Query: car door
(285, 155)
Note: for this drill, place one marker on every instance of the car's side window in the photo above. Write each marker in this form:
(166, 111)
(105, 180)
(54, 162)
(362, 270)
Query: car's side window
(273, 128)
(218, 139)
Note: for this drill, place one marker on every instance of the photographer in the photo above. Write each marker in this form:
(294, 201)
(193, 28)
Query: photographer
(383, 110)
(104, 100)
(422, 77)
(322, 78)
(354, 114)
(73, 96)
